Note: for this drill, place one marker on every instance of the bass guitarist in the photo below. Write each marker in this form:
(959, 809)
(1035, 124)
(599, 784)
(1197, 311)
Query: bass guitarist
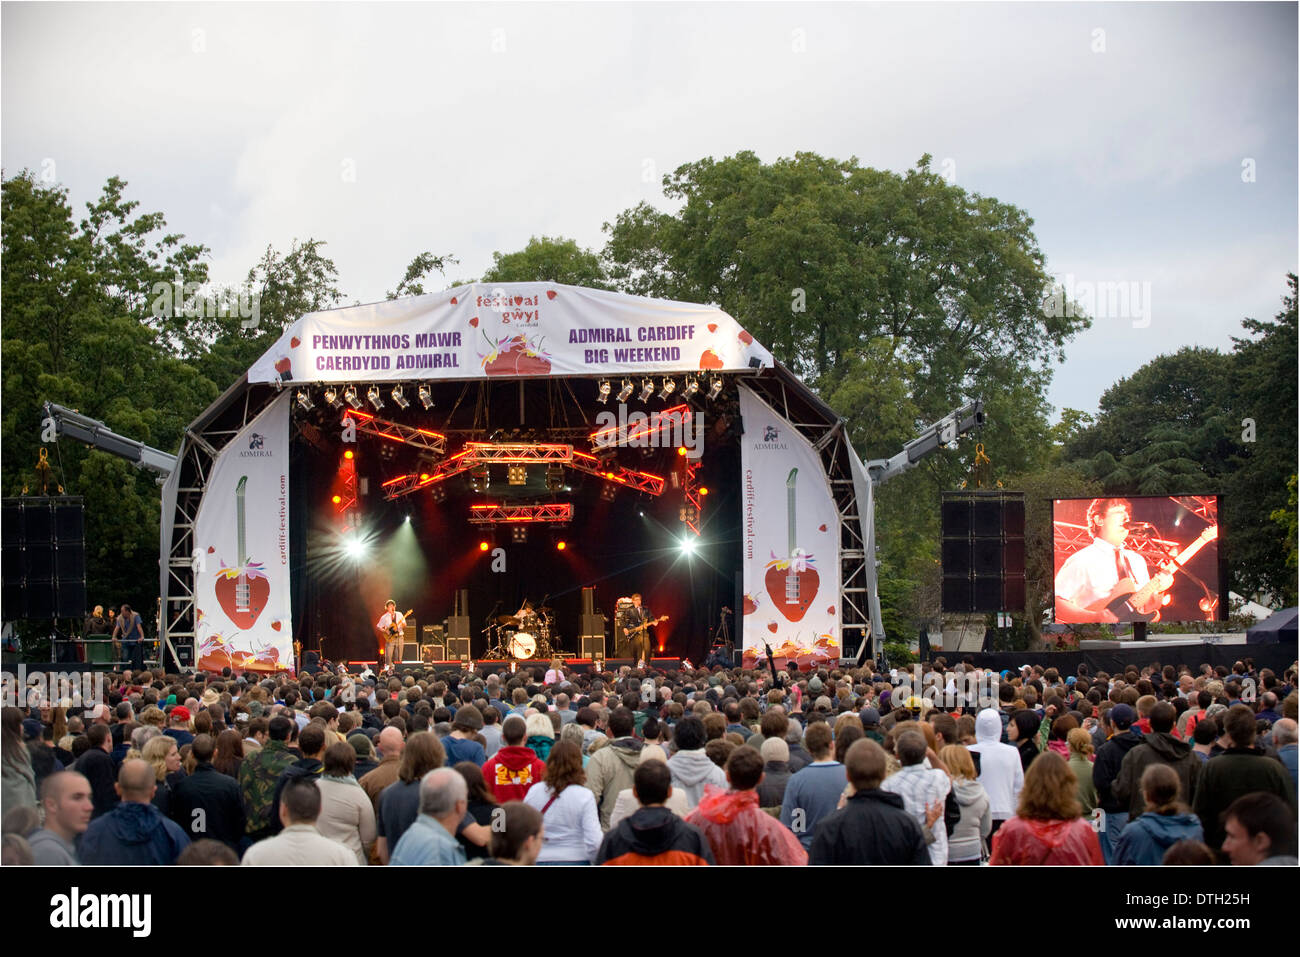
(392, 628)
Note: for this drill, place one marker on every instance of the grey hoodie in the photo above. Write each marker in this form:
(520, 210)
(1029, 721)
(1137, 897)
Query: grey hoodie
(967, 840)
(691, 770)
(611, 770)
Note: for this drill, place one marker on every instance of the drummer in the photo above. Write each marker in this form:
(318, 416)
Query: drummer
(525, 611)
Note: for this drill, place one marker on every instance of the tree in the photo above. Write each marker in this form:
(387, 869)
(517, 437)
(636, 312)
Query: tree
(548, 259)
(412, 283)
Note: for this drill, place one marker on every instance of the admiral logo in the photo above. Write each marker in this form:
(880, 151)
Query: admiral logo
(255, 443)
(770, 444)
(75, 910)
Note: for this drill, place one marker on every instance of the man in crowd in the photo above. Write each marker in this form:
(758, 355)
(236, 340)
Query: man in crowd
(311, 743)
(66, 801)
(390, 750)
(653, 835)
(299, 844)
(431, 840)
(207, 803)
(134, 832)
(97, 766)
(1000, 770)
(690, 767)
(1121, 739)
(612, 767)
(514, 768)
(1260, 829)
(737, 830)
(460, 744)
(814, 792)
(1158, 747)
(922, 789)
(873, 827)
(259, 774)
(1284, 739)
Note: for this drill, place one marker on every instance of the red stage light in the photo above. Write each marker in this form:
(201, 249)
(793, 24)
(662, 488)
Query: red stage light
(703, 490)
(482, 546)
(424, 476)
(336, 499)
(681, 450)
(560, 546)
(348, 455)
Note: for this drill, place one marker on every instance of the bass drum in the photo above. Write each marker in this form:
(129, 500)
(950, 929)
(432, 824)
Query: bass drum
(522, 645)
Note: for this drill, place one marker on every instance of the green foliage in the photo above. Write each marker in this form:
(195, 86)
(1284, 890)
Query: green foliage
(898, 654)
(549, 260)
(1286, 520)
(412, 283)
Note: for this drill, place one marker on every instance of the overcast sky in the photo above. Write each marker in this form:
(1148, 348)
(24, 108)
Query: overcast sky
(388, 129)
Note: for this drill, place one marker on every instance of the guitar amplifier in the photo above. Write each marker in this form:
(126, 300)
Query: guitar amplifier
(593, 646)
(457, 649)
(433, 651)
(410, 650)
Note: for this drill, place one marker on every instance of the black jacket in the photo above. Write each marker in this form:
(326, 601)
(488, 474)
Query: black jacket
(302, 768)
(218, 796)
(1105, 769)
(799, 758)
(97, 765)
(655, 835)
(1028, 751)
(771, 790)
(873, 828)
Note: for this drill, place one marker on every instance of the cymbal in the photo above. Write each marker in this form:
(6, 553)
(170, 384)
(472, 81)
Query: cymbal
(544, 610)
(507, 620)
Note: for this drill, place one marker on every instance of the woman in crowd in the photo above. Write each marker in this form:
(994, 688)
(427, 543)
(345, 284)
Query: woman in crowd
(541, 735)
(968, 843)
(165, 759)
(230, 753)
(570, 823)
(1166, 820)
(19, 788)
(1080, 762)
(481, 805)
(346, 814)
(1047, 828)
(1021, 732)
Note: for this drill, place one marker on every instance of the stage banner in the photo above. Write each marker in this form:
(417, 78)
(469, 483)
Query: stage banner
(790, 543)
(509, 330)
(241, 535)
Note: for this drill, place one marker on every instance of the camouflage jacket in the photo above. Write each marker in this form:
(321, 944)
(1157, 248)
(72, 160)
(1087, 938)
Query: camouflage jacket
(257, 779)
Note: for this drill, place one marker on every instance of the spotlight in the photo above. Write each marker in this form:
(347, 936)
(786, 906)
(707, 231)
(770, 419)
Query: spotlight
(703, 490)
(426, 397)
(401, 400)
(408, 520)
(482, 546)
(626, 391)
(480, 478)
(356, 548)
(561, 545)
(602, 391)
(715, 387)
(669, 387)
(350, 397)
(647, 389)
(608, 493)
(519, 534)
(688, 544)
(517, 475)
(337, 499)
(304, 401)
(439, 494)
(691, 387)
(349, 455)
(332, 397)
(554, 478)
(373, 395)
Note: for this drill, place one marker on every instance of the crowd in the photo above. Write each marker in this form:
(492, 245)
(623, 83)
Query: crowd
(1163, 764)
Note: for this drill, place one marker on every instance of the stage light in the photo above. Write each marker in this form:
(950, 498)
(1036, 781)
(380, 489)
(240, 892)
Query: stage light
(480, 479)
(715, 387)
(373, 395)
(426, 397)
(439, 494)
(603, 390)
(608, 493)
(642, 514)
(703, 490)
(332, 397)
(691, 387)
(401, 400)
(626, 391)
(647, 389)
(519, 534)
(337, 499)
(688, 545)
(483, 546)
(554, 478)
(517, 475)
(356, 548)
(561, 545)
(304, 401)
(669, 387)
(350, 397)
(681, 450)
(408, 520)
(349, 455)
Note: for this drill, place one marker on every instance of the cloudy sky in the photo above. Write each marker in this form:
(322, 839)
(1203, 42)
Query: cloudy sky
(1155, 145)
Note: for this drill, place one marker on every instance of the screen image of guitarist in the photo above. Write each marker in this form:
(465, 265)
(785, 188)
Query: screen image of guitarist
(1140, 559)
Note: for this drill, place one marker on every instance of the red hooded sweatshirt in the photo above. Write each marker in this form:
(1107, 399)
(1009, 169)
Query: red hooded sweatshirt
(512, 771)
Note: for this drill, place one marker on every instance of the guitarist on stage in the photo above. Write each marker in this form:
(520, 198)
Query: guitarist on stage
(637, 622)
(391, 627)
(1091, 573)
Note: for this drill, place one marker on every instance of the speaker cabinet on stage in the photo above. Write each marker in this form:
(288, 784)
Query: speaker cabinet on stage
(983, 551)
(457, 649)
(433, 646)
(593, 646)
(410, 650)
(43, 560)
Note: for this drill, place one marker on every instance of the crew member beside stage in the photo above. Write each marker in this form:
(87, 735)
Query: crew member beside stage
(392, 628)
(635, 616)
(1091, 573)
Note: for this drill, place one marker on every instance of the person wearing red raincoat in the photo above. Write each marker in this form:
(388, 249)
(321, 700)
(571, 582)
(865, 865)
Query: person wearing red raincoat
(1047, 828)
(737, 830)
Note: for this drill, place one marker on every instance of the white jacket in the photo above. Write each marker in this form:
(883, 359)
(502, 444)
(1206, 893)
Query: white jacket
(691, 771)
(1001, 772)
(570, 826)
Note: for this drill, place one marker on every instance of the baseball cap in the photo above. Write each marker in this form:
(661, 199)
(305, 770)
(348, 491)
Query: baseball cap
(870, 717)
(31, 729)
(180, 713)
(1122, 716)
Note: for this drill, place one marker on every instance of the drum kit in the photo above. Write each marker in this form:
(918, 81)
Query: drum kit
(524, 637)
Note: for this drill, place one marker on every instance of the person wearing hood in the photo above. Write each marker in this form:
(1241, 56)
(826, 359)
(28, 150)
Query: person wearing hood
(541, 735)
(311, 743)
(776, 774)
(1000, 771)
(1167, 819)
(737, 830)
(654, 835)
(514, 768)
(968, 842)
(346, 814)
(612, 768)
(873, 826)
(1047, 828)
(1022, 732)
(1157, 747)
(627, 802)
(1105, 769)
(690, 765)
(134, 832)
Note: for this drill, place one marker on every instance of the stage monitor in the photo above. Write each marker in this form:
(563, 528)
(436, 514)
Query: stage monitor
(1137, 558)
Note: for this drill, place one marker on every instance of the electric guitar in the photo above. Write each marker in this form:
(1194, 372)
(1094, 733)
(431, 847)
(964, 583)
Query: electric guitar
(242, 591)
(392, 628)
(633, 632)
(793, 589)
(1128, 602)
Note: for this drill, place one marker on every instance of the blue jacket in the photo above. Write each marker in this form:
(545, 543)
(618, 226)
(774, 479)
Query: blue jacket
(1145, 840)
(132, 833)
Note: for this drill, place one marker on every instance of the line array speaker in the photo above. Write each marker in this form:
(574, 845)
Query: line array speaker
(983, 551)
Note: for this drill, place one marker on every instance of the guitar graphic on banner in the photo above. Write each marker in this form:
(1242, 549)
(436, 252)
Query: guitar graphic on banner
(242, 590)
(792, 583)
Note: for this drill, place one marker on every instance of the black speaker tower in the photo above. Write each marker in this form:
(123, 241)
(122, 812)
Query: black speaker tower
(983, 551)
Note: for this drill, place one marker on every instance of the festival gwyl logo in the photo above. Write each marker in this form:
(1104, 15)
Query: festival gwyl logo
(508, 340)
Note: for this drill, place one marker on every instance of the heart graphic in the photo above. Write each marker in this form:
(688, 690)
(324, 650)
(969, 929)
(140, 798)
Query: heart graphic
(710, 360)
(211, 550)
(275, 626)
(283, 366)
(550, 294)
(519, 300)
(808, 580)
(713, 327)
(745, 337)
(474, 322)
(830, 610)
(821, 528)
(453, 300)
(295, 342)
(772, 626)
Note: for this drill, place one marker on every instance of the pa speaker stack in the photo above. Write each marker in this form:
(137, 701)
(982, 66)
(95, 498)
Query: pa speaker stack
(593, 627)
(983, 551)
(43, 557)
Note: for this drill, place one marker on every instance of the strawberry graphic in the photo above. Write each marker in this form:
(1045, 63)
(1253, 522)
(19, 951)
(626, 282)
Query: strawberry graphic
(294, 342)
(745, 337)
(474, 322)
(751, 604)
(713, 327)
(284, 367)
(710, 360)
(453, 300)
(772, 626)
